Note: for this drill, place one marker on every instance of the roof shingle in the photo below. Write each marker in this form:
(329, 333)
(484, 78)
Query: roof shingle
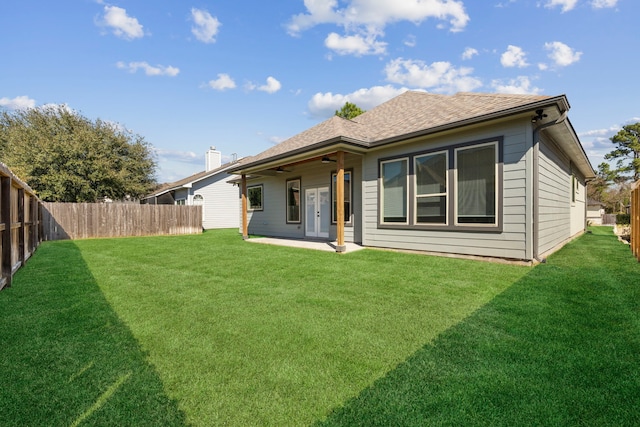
(407, 113)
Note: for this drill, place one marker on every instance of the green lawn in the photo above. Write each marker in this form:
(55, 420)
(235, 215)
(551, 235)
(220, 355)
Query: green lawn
(210, 330)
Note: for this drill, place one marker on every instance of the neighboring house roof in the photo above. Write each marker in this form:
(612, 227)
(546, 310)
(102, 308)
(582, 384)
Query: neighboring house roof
(188, 181)
(409, 115)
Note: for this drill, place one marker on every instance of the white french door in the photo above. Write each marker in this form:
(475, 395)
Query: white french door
(317, 212)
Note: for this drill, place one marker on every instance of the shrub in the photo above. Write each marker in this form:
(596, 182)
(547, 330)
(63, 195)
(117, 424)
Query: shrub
(623, 219)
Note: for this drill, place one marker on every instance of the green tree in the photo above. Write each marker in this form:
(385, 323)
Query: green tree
(349, 111)
(627, 151)
(598, 186)
(66, 157)
(610, 188)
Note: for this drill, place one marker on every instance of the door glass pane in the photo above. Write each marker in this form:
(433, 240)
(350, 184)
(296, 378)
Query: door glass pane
(310, 212)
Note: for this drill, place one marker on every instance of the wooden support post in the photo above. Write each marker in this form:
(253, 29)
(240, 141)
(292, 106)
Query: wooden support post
(340, 246)
(5, 214)
(245, 225)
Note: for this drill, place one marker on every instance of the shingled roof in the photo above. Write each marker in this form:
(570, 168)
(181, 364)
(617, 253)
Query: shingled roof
(190, 179)
(404, 115)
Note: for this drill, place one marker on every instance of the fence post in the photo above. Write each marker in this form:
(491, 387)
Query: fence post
(35, 224)
(21, 226)
(635, 220)
(5, 213)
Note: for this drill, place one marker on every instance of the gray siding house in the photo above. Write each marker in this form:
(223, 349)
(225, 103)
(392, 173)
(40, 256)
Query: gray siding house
(209, 188)
(468, 174)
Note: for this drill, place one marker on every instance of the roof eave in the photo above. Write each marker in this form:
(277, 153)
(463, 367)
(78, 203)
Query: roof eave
(189, 184)
(560, 102)
(319, 148)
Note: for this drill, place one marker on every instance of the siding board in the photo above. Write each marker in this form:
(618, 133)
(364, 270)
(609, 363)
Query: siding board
(511, 243)
(554, 199)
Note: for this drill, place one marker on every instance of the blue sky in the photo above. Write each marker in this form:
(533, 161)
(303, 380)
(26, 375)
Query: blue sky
(243, 75)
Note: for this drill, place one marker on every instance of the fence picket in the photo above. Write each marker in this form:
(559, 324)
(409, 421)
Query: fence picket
(92, 220)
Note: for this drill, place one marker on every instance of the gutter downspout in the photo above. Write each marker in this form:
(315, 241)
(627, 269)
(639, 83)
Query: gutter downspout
(536, 182)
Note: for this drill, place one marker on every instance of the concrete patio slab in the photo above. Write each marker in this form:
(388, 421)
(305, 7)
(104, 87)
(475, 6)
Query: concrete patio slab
(305, 244)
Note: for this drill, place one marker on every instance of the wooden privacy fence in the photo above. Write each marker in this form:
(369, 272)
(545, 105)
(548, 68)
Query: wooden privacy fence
(635, 220)
(89, 220)
(20, 218)
(609, 219)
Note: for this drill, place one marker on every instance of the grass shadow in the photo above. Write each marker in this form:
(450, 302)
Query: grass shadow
(559, 347)
(67, 357)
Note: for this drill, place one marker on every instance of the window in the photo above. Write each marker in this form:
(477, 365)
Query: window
(430, 174)
(574, 188)
(347, 197)
(254, 198)
(293, 201)
(476, 184)
(394, 180)
(198, 200)
(457, 188)
(181, 202)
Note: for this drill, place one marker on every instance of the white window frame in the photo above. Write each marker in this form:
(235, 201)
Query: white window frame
(249, 205)
(496, 184)
(299, 220)
(407, 191)
(334, 193)
(416, 196)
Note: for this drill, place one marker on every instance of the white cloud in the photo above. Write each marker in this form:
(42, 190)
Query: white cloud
(439, 76)
(180, 156)
(149, 70)
(371, 17)
(514, 56)
(324, 105)
(357, 45)
(597, 142)
(206, 26)
(410, 41)
(566, 5)
(223, 82)
(18, 103)
(469, 53)
(364, 21)
(519, 85)
(272, 85)
(561, 54)
(601, 4)
(608, 132)
(121, 24)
